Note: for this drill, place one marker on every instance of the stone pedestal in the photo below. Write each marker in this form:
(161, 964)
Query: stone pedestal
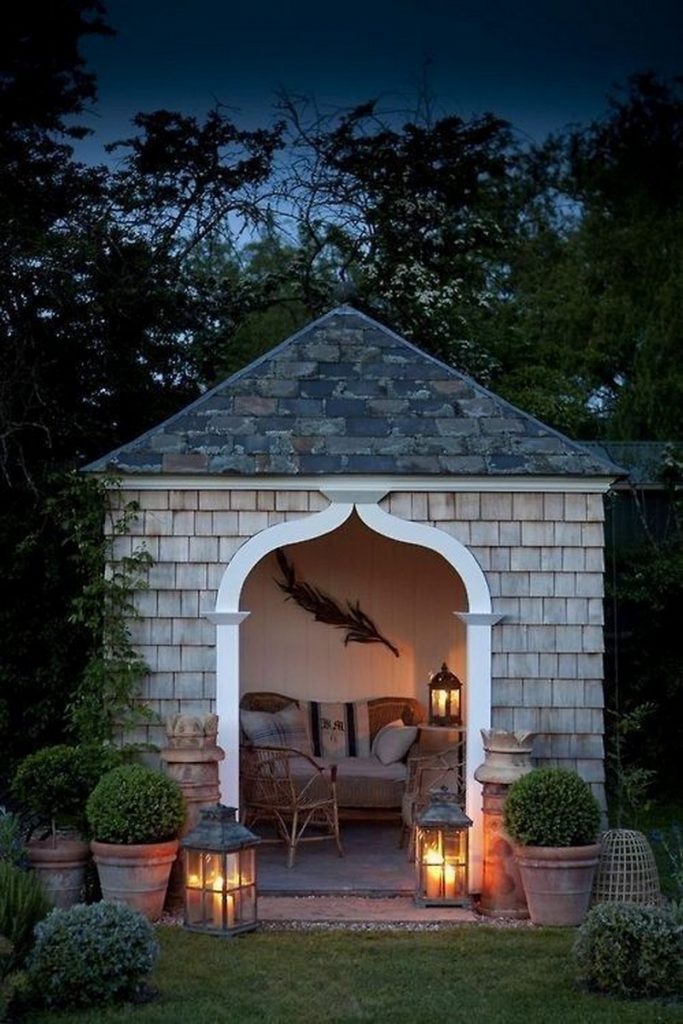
(507, 758)
(191, 758)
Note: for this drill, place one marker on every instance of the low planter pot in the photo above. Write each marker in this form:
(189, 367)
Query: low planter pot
(136, 875)
(61, 868)
(557, 881)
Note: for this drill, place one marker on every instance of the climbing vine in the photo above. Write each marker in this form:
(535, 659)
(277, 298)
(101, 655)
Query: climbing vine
(105, 703)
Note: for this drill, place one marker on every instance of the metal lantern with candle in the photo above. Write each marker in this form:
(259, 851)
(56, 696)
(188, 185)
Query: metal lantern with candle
(445, 691)
(441, 852)
(220, 874)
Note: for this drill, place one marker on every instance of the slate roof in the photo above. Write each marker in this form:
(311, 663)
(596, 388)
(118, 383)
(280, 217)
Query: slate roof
(346, 395)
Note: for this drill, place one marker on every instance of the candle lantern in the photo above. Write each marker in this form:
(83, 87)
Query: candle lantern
(445, 691)
(441, 852)
(220, 874)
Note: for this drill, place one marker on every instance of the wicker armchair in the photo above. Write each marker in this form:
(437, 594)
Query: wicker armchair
(270, 792)
(425, 773)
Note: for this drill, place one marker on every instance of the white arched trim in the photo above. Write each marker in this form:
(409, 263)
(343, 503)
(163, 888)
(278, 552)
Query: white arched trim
(261, 544)
(228, 618)
(478, 621)
(462, 560)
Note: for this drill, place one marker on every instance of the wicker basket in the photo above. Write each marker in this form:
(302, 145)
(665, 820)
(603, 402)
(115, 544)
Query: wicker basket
(627, 872)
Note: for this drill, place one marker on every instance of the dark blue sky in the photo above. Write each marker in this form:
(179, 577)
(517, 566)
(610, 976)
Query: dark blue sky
(539, 64)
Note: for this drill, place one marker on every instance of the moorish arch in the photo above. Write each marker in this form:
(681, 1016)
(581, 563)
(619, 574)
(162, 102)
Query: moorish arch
(478, 621)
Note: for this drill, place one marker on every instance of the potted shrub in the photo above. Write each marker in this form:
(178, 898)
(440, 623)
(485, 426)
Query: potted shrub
(52, 785)
(553, 818)
(135, 814)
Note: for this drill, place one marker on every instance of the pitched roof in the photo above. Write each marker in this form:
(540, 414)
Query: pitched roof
(345, 395)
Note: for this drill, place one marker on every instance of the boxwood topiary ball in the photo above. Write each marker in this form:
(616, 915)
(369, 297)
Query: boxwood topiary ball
(135, 804)
(552, 807)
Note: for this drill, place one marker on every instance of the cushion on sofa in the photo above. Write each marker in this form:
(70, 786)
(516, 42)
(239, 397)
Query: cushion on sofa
(362, 782)
(340, 729)
(393, 741)
(285, 728)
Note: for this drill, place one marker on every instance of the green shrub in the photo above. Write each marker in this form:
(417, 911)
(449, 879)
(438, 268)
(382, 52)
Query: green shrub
(669, 844)
(135, 804)
(12, 848)
(89, 955)
(55, 782)
(552, 807)
(631, 951)
(23, 904)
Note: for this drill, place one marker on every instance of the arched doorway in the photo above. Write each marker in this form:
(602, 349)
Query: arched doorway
(475, 616)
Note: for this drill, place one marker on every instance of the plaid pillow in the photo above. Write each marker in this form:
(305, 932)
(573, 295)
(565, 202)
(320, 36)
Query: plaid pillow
(285, 728)
(340, 730)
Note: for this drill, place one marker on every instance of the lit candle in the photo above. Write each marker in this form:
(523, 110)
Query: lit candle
(217, 907)
(433, 887)
(434, 861)
(449, 879)
(217, 902)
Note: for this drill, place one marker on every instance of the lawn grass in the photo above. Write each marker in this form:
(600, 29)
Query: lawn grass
(476, 974)
(654, 819)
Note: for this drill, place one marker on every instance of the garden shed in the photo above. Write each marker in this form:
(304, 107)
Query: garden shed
(466, 530)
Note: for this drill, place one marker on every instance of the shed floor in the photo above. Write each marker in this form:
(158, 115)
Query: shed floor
(372, 865)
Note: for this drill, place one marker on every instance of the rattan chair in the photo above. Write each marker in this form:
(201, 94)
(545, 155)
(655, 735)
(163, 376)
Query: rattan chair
(425, 773)
(301, 805)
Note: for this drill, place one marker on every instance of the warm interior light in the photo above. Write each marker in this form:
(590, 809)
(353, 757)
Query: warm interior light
(220, 871)
(440, 874)
(445, 698)
(433, 855)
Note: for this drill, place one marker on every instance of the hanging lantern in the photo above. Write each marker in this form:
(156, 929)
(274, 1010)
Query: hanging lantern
(220, 874)
(441, 852)
(445, 690)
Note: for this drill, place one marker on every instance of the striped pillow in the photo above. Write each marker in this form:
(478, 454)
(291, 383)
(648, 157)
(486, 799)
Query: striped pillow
(340, 729)
(285, 728)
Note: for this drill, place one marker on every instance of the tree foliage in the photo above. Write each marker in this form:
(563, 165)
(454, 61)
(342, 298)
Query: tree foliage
(596, 271)
(98, 306)
(644, 685)
(414, 215)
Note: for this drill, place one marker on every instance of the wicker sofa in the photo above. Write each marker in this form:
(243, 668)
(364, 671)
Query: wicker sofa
(363, 783)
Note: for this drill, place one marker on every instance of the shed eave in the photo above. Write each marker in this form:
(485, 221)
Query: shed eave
(339, 483)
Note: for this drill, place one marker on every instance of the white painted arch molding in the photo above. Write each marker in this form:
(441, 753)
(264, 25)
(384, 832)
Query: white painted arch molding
(261, 544)
(478, 621)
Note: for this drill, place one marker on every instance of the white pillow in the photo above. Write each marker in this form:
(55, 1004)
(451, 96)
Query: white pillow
(393, 741)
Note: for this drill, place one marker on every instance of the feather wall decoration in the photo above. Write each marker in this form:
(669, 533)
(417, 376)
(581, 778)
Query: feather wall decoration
(359, 627)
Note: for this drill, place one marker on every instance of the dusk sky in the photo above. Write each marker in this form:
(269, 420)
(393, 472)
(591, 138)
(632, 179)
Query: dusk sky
(539, 64)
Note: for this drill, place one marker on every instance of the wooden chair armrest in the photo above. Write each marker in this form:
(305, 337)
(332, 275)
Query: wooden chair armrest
(448, 759)
(294, 752)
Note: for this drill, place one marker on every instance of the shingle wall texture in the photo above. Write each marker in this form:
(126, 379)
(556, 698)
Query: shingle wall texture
(542, 555)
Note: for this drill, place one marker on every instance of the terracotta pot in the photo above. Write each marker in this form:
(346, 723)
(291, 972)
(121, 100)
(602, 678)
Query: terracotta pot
(135, 875)
(60, 867)
(558, 881)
